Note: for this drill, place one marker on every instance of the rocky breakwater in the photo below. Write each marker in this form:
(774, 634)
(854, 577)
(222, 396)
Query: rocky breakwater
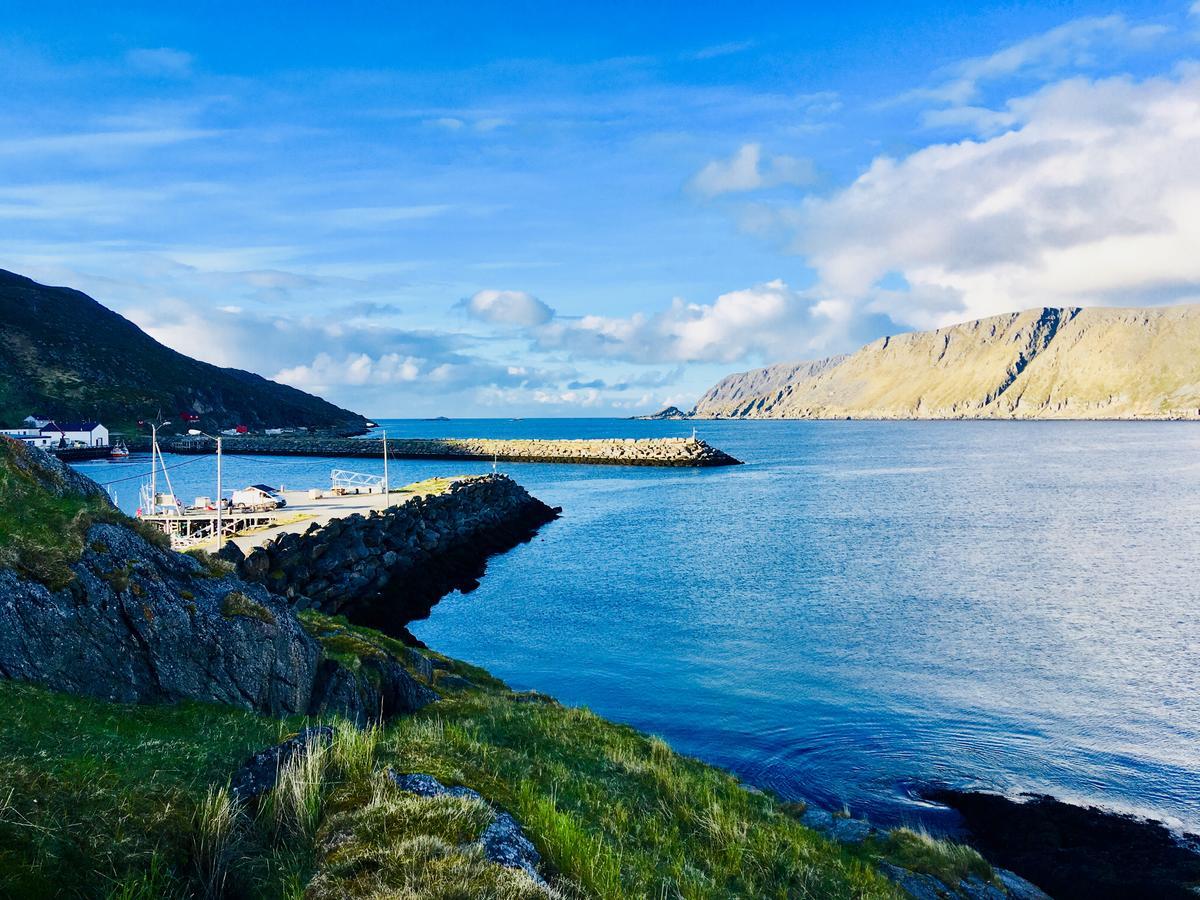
(669, 452)
(389, 567)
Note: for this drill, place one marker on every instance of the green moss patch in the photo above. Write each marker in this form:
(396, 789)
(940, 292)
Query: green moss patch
(235, 603)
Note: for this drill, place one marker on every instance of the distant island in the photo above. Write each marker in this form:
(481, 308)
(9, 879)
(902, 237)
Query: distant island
(1049, 363)
(671, 412)
(65, 356)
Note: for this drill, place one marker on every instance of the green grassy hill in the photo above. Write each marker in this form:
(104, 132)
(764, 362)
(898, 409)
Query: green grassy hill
(64, 355)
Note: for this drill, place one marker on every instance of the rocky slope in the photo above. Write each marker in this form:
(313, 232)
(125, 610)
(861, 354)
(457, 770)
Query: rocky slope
(64, 355)
(1048, 363)
(133, 622)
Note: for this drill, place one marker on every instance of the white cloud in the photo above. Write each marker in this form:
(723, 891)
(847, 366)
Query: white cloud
(1093, 198)
(749, 170)
(161, 61)
(1075, 44)
(765, 321)
(511, 308)
(354, 369)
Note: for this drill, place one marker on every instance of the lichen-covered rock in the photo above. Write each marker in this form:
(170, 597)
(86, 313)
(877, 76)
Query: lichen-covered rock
(504, 841)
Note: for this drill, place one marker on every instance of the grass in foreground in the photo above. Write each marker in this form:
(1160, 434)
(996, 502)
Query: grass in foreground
(101, 800)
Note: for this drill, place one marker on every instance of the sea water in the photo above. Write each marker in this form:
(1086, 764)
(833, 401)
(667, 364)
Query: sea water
(863, 609)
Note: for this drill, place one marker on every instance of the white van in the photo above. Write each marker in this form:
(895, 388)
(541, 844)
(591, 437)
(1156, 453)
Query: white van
(258, 498)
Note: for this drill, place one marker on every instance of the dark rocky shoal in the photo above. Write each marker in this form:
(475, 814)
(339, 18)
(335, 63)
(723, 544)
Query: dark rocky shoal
(1077, 852)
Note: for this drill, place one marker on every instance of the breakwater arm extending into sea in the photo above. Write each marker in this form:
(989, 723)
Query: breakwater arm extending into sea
(680, 452)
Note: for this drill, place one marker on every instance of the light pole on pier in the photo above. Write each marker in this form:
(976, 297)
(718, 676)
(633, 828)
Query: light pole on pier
(386, 487)
(220, 530)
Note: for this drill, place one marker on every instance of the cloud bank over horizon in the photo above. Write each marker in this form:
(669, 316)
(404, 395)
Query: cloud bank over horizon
(600, 231)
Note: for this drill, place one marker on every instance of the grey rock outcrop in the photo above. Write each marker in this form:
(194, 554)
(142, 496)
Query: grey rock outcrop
(260, 772)
(141, 624)
(137, 623)
(378, 689)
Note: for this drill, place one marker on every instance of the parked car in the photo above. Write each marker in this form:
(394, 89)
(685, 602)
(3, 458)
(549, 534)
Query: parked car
(258, 498)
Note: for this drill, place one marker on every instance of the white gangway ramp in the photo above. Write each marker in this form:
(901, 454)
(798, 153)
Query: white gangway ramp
(344, 481)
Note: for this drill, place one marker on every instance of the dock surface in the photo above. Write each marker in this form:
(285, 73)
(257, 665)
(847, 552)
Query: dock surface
(197, 528)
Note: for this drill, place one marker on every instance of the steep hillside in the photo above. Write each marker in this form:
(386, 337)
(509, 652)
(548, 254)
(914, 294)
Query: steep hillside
(1042, 363)
(64, 355)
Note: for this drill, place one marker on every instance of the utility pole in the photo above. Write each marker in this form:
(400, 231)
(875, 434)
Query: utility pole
(220, 532)
(386, 487)
(153, 469)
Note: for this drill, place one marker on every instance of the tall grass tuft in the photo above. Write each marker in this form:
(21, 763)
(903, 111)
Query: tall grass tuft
(353, 752)
(214, 828)
(294, 805)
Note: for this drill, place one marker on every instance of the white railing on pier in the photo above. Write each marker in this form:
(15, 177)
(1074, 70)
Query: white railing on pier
(343, 480)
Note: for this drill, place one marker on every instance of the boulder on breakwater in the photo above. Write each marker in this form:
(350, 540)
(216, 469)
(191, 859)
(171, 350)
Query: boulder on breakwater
(669, 452)
(389, 567)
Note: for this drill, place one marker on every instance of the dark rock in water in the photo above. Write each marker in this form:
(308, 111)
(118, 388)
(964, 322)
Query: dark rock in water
(1079, 853)
(668, 413)
(261, 771)
(378, 690)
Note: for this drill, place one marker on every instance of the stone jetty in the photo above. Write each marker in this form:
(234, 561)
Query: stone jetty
(681, 452)
(389, 567)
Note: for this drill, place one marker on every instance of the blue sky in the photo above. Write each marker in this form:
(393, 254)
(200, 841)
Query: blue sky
(547, 209)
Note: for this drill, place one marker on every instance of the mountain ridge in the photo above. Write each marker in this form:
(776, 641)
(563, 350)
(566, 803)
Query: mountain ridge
(64, 354)
(1045, 362)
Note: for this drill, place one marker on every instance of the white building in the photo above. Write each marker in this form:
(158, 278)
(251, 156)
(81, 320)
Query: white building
(89, 434)
(31, 436)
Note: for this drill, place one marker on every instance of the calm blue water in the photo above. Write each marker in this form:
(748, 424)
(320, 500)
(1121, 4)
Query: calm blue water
(861, 608)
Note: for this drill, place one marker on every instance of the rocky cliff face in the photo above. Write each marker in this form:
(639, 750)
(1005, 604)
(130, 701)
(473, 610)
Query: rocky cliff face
(1041, 363)
(140, 624)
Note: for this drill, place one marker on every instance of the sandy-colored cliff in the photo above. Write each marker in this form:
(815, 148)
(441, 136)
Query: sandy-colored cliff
(1102, 363)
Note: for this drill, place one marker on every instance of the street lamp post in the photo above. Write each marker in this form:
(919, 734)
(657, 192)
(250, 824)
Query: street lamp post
(220, 530)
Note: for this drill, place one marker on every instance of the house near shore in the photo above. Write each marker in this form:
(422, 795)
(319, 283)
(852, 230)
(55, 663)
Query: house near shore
(32, 437)
(87, 434)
